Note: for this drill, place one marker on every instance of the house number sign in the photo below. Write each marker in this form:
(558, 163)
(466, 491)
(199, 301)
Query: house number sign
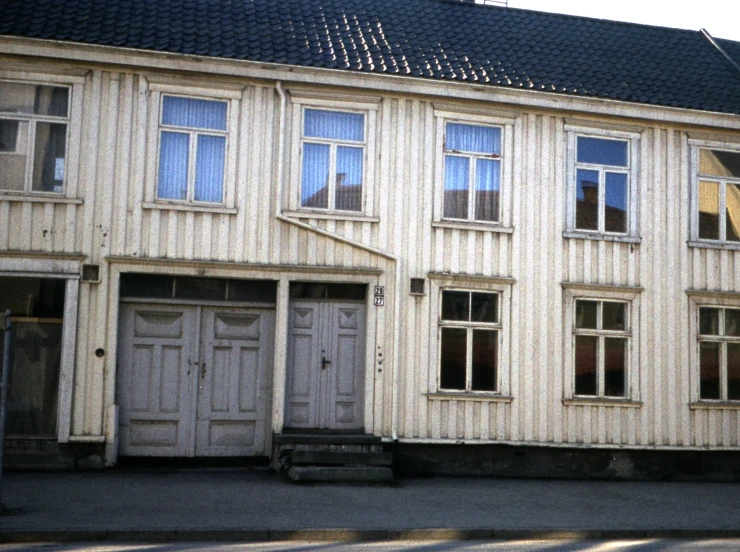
(379, 296)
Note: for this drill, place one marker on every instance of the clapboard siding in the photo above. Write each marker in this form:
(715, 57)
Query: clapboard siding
(112, 220)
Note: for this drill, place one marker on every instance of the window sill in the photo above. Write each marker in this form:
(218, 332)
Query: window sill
(717, 405)
(714, 245)
(330, 215)
(193, 207)
(573, 234)
(626, 403)
(447, 396)
(39, 198)
(478, 226)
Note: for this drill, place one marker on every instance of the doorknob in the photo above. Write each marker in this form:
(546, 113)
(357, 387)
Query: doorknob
(324, 362)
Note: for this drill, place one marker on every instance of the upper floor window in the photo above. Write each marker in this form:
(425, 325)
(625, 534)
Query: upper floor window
(34, 128)
(602, 189)
(717, 196)
(472, 169)
(333, 165)
(719, 353)
(192, 149)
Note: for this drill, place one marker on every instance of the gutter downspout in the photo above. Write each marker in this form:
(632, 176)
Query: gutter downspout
(721, 50)
(397, 306)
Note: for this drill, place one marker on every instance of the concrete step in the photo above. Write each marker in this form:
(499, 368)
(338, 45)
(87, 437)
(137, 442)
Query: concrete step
(325, 439)
(303, 457)
(341, 474)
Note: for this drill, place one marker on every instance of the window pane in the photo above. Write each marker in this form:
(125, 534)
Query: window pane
(456, 305)
(708, 321)
(189, 112)
(485, 360)
(478, 139)
(614, 316)
(453, 354)
(732, 221)
(484, 307)
(346, 291)
(32, 99)
(586, 347)
(173, 165)
(487, 187)
(733, 371)
(600, 151)
(314, 187)
(732, 322)
(615, 369)
(719, 163)
(586, 314)
(348, 191)
(587, 200)
(334, 125)
(48, 163)
(708, 210)
(209, 169)
(209, 289)
(258, 291)
(146, 285)
(14, 148)
(456, 187)
(615, 217)
(709, 370)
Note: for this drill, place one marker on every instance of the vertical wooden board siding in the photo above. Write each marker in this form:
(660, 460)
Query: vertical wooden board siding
(123, 166)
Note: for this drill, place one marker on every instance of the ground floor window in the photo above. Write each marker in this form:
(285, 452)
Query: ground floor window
(469, 336)
(37, 306)
(719, 353)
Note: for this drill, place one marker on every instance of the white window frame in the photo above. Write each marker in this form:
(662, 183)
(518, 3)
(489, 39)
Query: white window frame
(698, 299)
(340, 103)
(695, 240)
(232, 96)
(505, 122)
(632, 234)
(614, 294)
(501, 287)
(75, 84)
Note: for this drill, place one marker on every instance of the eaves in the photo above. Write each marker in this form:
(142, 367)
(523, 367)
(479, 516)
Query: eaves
(204, 65)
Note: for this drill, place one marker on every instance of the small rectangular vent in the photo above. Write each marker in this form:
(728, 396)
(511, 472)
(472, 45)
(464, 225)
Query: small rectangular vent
(417, 286)
(91, 273)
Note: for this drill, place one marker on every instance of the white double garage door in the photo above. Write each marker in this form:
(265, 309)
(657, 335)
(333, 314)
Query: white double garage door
(196, 380)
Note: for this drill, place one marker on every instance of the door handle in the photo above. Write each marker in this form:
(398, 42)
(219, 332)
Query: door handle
(324, 362)
(203, 371)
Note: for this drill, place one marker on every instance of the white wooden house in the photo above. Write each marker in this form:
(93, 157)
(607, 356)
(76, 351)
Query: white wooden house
(532, 237)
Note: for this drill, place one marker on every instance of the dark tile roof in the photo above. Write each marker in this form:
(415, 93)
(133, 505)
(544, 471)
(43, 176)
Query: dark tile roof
(437, 39)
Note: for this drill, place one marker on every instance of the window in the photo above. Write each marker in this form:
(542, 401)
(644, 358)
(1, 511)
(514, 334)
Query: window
(717, 196)
(192, 149)
(719, 353)
(469, 338)
(601, 345)
(333, 149)
(602, 176)
(472, 181)
(34, 124)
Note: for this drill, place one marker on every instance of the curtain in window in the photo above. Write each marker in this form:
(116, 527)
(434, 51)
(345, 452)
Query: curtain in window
(173, 165)
(479, 139)
(487, 188)
(334, 125)
(456, 187)
(314, 188)
(48, 163)
(348, 191)
(192, 113)
(209, 168)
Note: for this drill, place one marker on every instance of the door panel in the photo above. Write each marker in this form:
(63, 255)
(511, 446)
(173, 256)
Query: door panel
(235, 381)
(154, 389)
(325, 379)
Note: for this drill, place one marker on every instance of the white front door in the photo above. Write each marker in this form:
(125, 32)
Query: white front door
(325, 379)
(194, 380)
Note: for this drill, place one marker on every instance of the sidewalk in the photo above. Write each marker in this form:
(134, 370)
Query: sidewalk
(255, 504)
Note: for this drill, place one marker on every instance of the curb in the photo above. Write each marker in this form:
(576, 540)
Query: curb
(345, 535)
